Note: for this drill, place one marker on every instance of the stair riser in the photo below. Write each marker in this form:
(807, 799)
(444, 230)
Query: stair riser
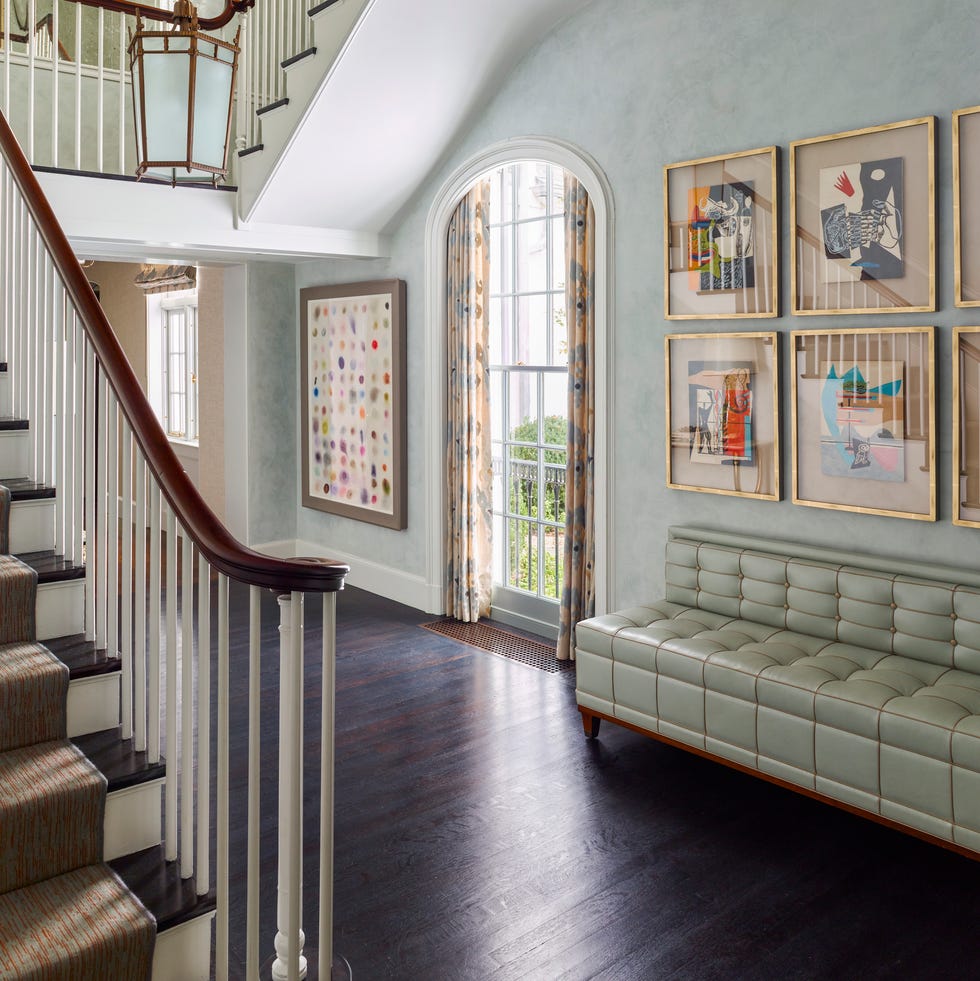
(93, 704)
(14, 452)
(304, 75)
(183, 953)
(32, 526)
(132, 819)
(60, 609)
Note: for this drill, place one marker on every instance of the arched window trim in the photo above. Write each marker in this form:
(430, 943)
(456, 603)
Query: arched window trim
(579, 163)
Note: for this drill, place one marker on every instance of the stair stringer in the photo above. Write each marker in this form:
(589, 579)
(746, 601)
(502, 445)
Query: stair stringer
(333, 30)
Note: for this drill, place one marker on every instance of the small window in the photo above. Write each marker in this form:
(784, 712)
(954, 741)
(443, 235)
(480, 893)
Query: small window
(172, 363)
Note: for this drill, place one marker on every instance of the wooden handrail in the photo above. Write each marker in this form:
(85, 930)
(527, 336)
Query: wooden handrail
(134, 9)
(215, 542)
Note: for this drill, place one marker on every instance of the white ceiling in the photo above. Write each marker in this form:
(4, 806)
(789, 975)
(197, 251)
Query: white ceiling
(412, 74)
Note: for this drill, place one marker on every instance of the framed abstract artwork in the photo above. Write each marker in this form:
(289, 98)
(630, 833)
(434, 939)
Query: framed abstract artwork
(864, 420)
(352, 364)
(966, 206)
(723, 413)
(862, 211)
(720, 221)
(966, 426)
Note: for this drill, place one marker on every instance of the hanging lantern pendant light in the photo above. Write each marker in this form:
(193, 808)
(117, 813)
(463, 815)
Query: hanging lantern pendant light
(183, 87)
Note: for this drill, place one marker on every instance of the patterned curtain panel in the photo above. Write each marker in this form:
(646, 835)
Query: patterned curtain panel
(578, 590)
(469, 469)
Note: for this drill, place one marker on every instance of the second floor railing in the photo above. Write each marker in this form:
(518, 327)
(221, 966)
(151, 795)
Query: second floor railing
(66, 88)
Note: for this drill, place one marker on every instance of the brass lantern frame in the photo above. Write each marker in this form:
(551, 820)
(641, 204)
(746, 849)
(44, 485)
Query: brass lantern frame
(195, 45)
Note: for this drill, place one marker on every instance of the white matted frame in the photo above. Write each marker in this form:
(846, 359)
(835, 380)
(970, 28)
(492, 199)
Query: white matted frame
(863, 220)
(966, 206)
(966, 426)
(723, 413)
(720, 226)
(864, 420)
(352, 378)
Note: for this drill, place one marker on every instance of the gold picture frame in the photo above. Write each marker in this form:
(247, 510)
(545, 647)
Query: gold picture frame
(864, 420)
(966, 426)
(863, 220)
(721, 259)
(966, 206)
(722, 430)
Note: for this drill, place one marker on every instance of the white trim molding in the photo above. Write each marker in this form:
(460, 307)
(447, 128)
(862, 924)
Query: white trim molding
(382, 580)
(579, 163)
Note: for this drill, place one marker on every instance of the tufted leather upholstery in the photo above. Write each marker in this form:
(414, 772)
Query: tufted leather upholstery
(861, 684)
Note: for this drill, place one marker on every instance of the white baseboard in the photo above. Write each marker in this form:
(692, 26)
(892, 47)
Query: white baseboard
(530, 624)
(382, 580)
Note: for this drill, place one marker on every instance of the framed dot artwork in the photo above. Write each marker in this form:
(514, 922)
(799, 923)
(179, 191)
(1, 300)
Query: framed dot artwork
(352, 365)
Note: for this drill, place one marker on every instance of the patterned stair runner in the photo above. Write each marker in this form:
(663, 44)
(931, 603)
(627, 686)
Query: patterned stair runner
(64, 915)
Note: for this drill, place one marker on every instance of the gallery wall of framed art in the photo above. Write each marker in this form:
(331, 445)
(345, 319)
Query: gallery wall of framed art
(863, 420)
(966, 206)
(720, 222)
(862, 216)
(722, 412)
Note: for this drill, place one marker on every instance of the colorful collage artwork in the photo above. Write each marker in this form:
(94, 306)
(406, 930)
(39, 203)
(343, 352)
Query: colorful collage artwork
(720, 235)
(720, 407)
(862, 424)
(349, 383)
(861, 212)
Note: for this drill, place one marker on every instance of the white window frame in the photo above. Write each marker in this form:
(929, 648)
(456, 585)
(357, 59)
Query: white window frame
(579, 163)
(161, 324)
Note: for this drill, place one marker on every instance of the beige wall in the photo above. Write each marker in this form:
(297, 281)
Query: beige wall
(211, 386)
(125, 307)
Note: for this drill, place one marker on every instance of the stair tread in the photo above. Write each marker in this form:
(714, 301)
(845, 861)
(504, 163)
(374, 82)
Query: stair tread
(159, 887)
(83, 658)
(296, 58)
(272, 106)
(22, 489)
(251, 149)
(320, 7)
(51, 567)
(12, 424)
(117, 759)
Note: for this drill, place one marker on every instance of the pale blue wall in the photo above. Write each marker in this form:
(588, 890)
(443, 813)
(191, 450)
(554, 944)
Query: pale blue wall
(640, 83)
(273, 344)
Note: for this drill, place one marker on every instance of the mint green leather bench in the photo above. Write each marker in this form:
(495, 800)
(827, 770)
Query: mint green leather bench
(853, 679)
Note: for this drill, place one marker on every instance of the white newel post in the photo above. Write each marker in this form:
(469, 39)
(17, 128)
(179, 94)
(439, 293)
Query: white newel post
(290, 964)
(326, 784)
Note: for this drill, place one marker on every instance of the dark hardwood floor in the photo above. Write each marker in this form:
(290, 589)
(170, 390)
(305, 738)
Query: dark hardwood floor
(479, 835)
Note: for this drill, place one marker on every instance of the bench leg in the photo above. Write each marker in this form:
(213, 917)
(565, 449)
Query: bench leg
(590, 723)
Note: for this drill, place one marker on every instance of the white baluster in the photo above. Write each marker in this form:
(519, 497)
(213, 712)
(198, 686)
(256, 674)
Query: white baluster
(78, 86)
(88, 457)
(224, 737)
(254, 780)
(126, 579)
(100, 95)
(55, 78)
(121, 127)
(186, 707)
(327, 705)
(139, 631)
(202, 874)
(112, 524)
(172, 667)
(290, 965)
(101, 523)
(156, 599)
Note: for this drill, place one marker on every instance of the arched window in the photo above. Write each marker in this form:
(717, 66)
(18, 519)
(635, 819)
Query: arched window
(528, 371)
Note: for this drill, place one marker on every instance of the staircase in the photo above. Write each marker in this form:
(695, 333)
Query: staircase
(81, 704)
(116, 735)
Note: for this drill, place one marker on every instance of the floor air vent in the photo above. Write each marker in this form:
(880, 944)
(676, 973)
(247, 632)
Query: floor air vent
(502, 642)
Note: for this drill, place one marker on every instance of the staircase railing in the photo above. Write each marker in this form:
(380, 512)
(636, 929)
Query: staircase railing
(94, 436)
(66, 88)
